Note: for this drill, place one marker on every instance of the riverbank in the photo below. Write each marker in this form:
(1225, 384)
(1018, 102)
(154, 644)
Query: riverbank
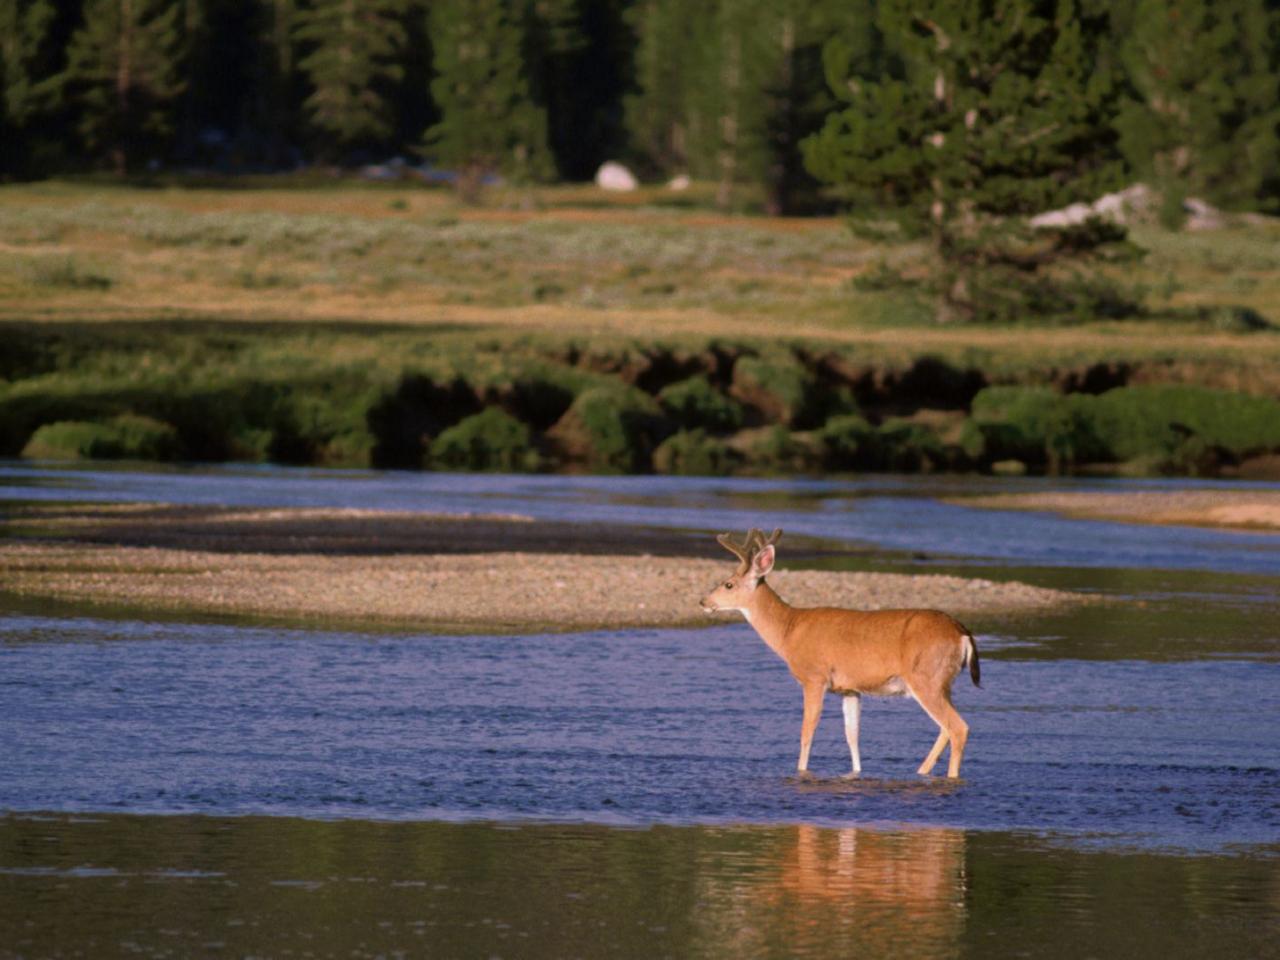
(484, 573)
(394, 329)
(1226, 509)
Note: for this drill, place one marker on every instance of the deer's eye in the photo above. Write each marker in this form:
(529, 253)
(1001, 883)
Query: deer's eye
(728, 584)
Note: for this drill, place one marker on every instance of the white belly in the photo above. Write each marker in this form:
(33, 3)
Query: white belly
(893, 687)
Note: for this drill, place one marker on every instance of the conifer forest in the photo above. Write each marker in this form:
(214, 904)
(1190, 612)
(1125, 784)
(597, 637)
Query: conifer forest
(898, 106)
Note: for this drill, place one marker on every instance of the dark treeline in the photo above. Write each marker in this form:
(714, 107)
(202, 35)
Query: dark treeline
(1073, 94)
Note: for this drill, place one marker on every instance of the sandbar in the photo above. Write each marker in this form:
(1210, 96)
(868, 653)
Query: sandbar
(1228, 509)
(438, 573)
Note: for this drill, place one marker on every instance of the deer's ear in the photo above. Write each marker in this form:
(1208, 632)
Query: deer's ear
(762, 562)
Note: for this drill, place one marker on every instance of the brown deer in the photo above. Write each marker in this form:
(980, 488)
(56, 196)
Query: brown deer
(884, 653)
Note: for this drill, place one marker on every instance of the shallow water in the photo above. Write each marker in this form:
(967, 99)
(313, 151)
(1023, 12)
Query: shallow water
(883, 513)
(629, 727)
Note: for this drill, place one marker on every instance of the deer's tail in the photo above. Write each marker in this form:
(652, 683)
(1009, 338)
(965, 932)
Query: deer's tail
(971, 657)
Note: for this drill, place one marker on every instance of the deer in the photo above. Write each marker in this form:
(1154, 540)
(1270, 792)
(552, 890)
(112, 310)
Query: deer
(916, 653)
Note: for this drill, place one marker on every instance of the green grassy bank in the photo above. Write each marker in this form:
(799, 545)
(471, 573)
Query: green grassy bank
(573, 330)
(412, 398)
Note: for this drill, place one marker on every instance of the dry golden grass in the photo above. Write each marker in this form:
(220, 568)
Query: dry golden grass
(575, 263)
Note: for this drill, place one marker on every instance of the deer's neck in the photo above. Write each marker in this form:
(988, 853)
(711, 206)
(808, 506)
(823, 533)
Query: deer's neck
(771, 617)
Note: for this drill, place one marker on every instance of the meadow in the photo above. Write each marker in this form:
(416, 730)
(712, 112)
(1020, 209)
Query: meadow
(361, 324)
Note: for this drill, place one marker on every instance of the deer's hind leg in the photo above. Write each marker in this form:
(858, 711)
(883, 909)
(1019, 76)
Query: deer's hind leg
(952, 728)
(932, 759)
(852, 715)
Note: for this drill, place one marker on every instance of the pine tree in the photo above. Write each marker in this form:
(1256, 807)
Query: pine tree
(729, 88)
(489, 122)
(589, 129)
(273, 112)
(351, 63)
(997, 109)
(24, 29)
(578, 56)
(24, 26)
(734, 95)
(278, 25)
(697, 110)
(793, 95)
(1208, 100)
(203, 70)
(123, 71)
(657, 114)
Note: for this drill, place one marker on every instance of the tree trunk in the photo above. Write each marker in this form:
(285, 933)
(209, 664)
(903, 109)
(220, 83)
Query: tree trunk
(954, 301)
(124, 81)
(778, 187)
(732, 79)
(276, 91)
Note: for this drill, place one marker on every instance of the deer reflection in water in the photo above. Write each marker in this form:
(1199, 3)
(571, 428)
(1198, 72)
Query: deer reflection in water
(884, 893)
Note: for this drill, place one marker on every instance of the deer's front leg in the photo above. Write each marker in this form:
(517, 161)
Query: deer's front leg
(813, 693)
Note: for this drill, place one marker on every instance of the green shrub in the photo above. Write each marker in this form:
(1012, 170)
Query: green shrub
(985, 443)
(415, 408)
(692, 452)
(489, 440)
(1011, 423)
(1194, 457)
(880, 278)
(126, 437)
(695, 403)
(780, 388)
(218, 421)
(251, 278)
(352, 449)
(214, 417)
(776, 449)
(1071, 436)
(908, 447)
(1179, 429)
(306, 419)
(546, 290)
(145, 438)
(610, 428)
(249, 444)
(787, 392)
(536, 394)
(850, 443)
(65, 440)
(1137, 421)
(67, 274)
(1234, 319)
(1024, 406)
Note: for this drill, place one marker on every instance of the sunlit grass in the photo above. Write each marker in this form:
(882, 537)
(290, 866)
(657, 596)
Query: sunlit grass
(572, 262)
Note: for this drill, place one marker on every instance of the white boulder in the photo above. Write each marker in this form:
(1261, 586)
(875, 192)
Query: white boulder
(614, 176)
(1066, 217)
(1134, 204)
(1202, 215)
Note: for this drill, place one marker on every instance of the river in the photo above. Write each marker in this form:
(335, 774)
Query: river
(178, 789)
